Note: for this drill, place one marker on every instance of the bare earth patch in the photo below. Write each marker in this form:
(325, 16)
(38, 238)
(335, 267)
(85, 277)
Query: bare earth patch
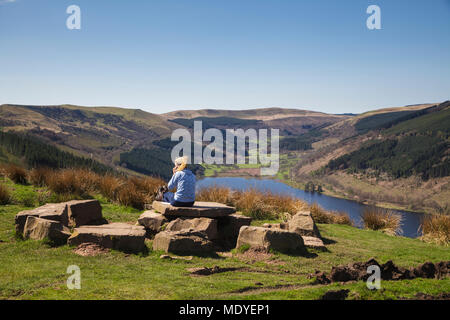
(90, 250)
(253, 255)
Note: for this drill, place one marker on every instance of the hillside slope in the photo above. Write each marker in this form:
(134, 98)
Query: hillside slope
(132, 139)
(395, 157)
(101, 133)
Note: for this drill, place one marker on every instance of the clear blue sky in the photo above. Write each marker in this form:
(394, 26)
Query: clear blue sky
(166, 55)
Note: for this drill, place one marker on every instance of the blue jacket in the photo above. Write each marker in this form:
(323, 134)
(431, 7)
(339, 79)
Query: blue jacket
(184, 181)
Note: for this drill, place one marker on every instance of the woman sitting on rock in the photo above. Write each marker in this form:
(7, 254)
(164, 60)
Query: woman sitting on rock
(184, 181)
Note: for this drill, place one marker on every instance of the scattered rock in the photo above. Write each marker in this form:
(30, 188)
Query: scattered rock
(84, 212)
(182, 242)
(276, 239)
(335, 295)
(313, 242)
(39, 229)
(199, 210)
(50, 211)
(152, 221)
(204, 225)
(90, 250)
(118, 236)
(55, 212)
(303, 225)
(70, 214)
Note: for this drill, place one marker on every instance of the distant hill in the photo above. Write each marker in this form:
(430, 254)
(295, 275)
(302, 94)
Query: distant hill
(27, 150)
(100, 133)
(291, 122)
(132, 139)
(380, 155)
(376, 156)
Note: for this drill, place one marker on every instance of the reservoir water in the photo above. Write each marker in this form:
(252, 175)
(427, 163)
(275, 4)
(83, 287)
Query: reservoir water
(410, 220)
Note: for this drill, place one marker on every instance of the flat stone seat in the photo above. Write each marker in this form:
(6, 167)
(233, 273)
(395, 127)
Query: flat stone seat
(270, 238)
(313, 242)
(118, 236)
(199, 210)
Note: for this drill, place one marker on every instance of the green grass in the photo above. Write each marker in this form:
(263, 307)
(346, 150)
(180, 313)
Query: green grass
(33, 270)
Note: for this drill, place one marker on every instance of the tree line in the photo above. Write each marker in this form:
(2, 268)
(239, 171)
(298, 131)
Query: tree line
(37, 153)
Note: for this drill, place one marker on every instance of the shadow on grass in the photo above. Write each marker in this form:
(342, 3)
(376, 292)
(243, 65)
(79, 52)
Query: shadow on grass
(298, 253)
(328, 241)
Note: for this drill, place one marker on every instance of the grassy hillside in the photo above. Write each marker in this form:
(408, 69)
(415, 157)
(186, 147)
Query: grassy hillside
(396, 157)
(102, 133)
(137, 141)
(40, 270)
(32, 152)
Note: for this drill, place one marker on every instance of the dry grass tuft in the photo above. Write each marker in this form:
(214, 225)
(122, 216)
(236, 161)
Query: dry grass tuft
(254, 203)
(109, 186)
(15, 173)
(436, 229)
(215, 194)
(383, 220)
(329, 217)
(129, 195)
(320, 215)
(39, 176)
(65, 182)
(5, 195)
(342, 218)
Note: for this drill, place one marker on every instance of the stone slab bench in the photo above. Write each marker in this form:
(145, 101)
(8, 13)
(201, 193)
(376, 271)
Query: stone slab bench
(70, 214)
(199, 210)
(118, 236)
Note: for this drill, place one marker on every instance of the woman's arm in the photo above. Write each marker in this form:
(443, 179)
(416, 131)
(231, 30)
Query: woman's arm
(173, 181)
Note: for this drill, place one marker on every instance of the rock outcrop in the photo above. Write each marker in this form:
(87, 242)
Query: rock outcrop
(152, 221)
(50, 211)
(206, 226)
(183, 242)
(70, 214)
(84, 212)
(39, 229)
(268, 238)
(313, 242)
(303, 224)
(119, 236)
(201, 229)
